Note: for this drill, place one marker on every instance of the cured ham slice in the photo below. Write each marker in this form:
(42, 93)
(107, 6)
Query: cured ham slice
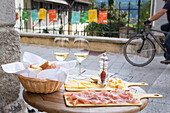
(104, 97)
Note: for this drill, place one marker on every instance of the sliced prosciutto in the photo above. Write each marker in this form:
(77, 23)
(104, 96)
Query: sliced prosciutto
(104, 97)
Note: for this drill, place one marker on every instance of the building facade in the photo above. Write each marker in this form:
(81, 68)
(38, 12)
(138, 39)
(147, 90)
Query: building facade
(156, 6)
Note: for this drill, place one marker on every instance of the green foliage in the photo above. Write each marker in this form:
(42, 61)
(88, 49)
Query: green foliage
(114, 15)
(144, 15)
(114, 24)
(94, 3)
(125, 5)
(95, 28)
(145, 12)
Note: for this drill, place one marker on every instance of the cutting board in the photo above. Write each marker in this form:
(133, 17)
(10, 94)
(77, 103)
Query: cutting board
(137, 96)
(98, 88)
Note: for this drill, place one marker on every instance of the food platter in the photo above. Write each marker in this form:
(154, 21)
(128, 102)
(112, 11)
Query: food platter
(137, 96)
(97, 87)
(80, 86)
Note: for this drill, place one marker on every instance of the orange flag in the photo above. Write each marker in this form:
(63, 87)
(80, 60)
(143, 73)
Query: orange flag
(102, 17)
(52, 16)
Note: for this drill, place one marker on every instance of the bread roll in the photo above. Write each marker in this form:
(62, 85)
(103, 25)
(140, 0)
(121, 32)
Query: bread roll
(45, 65)
(52, 66)
(35, 66)
(34, 70)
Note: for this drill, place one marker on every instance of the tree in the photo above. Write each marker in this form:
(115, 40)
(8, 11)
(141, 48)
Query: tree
(94, 3)
(144, 15)
(115, 21)
(111, 2)
(145, 11)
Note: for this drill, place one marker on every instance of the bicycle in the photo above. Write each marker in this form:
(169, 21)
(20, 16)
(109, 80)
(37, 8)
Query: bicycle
(140, 50)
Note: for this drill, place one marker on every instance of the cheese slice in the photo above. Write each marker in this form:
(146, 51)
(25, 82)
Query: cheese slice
(83, 81)
(72, 84)
(71, 81)
(81, 86)
(89, 85)
(112, 85)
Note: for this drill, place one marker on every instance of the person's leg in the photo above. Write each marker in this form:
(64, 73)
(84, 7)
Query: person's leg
(166, 27)
(167, 45)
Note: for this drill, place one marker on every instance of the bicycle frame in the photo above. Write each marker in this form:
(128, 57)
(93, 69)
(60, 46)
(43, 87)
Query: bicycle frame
(148, 31)
(144, 48)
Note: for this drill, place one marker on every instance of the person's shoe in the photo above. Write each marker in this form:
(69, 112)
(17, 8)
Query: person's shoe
(165, 62)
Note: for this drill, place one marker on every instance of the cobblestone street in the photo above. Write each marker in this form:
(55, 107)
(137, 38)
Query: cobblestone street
(155, 74)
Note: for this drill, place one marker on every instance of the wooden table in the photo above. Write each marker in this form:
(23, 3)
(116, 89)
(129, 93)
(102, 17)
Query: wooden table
(54, 103)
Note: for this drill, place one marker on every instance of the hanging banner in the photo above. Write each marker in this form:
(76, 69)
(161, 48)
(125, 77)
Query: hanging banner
(52, 16)
(75, 17)
(17, 16)
(102, 17)
(42, 14)
(92, 15)
(25, 15)
(34, 15)
(84, 17)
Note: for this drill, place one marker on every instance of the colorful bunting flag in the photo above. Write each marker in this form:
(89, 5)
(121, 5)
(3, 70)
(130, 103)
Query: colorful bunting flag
(25, 15)
(42, 14)
(17, 16)
(52, 16)
(34, 15)
(92, 15)
(84, 17)
(102, 17)
(75, 17)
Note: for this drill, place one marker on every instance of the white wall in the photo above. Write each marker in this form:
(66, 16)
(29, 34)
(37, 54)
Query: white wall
(19, 3)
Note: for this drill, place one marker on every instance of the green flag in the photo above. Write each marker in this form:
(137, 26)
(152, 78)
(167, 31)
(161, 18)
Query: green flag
(25, 15)
(84, 17)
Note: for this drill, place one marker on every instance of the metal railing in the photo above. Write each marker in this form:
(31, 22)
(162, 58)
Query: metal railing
(62, 26)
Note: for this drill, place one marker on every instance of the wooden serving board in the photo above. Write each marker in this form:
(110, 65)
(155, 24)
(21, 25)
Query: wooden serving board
(98, 88)
(129, 84)
(137, 96)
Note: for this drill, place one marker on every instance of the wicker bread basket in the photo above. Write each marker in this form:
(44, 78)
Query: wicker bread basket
(39, 85)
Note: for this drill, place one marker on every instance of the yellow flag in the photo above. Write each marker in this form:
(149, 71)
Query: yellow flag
(92, 15)
(42, 14)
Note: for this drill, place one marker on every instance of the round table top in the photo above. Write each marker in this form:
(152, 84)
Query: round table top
(54, 103)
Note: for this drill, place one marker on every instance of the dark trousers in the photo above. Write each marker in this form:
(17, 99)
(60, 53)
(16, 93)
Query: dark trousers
(166, 27)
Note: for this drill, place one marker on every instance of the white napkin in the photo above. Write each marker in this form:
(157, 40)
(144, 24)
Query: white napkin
(58, 74)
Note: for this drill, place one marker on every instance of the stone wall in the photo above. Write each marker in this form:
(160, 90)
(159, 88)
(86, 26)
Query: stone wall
(9, 52)
(96, 43)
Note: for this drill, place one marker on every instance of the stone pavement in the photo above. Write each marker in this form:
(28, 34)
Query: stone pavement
(155, 74)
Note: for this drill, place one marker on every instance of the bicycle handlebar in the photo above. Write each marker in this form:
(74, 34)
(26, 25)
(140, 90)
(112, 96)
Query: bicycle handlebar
(149, 26)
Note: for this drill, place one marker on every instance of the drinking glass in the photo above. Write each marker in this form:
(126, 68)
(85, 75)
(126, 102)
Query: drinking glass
(61, 48)
(81, 51)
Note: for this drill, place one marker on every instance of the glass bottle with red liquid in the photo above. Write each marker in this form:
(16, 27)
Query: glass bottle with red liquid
(103, 70)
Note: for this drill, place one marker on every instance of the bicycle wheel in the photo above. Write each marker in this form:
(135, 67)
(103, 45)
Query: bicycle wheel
(139, 51)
